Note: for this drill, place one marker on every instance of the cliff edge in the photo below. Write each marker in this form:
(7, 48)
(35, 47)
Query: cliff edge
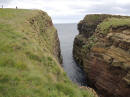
(102, 48)
(30, 57)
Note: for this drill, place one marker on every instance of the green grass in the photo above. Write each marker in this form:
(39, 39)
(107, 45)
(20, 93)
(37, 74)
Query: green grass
(105, 26)
(94, 19)
(28, 67)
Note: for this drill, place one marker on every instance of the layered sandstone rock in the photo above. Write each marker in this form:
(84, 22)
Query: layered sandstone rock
(102, 48)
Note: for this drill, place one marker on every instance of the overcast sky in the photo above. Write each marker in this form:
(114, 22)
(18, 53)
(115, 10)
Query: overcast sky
(72, 11)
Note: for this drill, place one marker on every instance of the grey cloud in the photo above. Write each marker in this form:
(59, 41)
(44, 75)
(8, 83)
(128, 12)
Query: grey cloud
(5, 1)
(102, 6)
(109, 9)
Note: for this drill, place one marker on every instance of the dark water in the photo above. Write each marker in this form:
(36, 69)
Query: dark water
(66, 33)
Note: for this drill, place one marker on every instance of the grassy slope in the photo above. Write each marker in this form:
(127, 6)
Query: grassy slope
(105, 26)
(27, 66)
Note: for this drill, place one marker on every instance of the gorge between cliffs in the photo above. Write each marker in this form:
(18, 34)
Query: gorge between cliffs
(40, 59)
(101, 51)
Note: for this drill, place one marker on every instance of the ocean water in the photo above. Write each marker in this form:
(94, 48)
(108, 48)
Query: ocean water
(67, 33)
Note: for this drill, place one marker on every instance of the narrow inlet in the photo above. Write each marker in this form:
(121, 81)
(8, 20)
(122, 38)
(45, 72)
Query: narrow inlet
(67, 33)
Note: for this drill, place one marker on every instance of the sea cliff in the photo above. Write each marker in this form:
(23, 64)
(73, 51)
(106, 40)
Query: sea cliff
(102, 48)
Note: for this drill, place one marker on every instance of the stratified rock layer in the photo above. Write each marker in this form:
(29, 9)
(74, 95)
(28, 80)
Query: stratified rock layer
(102, 48)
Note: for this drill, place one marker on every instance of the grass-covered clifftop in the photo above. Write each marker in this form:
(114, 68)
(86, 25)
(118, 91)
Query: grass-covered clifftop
(29, 54)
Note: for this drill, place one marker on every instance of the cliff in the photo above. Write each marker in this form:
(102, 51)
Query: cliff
(102, 48)
(30, 57)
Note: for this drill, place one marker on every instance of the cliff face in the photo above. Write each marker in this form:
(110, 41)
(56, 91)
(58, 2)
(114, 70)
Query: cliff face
(43, 25)
(102, 48)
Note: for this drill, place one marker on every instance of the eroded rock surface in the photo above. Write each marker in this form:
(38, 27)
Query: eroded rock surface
(102, 48)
